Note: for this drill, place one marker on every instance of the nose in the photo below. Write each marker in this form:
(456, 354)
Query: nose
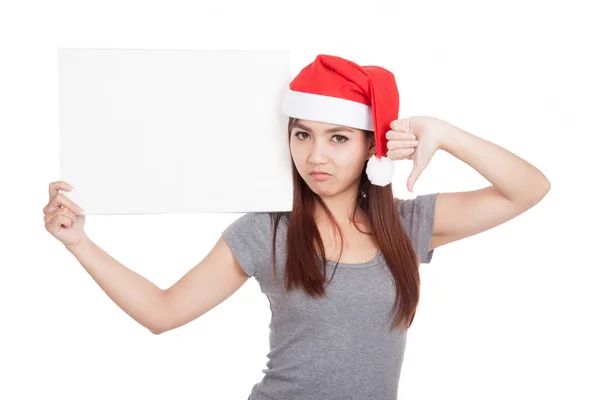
(318, 152)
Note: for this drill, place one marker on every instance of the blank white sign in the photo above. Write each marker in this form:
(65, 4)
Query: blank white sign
(170, 131)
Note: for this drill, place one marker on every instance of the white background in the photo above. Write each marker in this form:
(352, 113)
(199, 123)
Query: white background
(509, 313)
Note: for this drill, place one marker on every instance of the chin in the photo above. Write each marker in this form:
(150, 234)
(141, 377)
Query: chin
(322, 192)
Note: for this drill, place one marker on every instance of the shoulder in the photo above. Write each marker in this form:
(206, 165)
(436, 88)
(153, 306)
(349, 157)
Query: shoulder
(250, 238)
(417, 217)
(256, 227)
(411, 210)
(252, 222)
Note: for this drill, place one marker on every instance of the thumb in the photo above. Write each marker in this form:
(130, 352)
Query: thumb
(400, 123)
(405, 122)
(414, 175)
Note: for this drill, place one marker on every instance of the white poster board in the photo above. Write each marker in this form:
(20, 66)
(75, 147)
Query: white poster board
(170, 131)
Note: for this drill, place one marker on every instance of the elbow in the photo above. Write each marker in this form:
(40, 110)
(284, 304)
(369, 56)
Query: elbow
(156, 330)
(160, 323)
(545, 189)
(546, 186)
(541, 192)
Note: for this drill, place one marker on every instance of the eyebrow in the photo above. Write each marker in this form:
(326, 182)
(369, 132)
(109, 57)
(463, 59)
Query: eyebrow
(330, 130)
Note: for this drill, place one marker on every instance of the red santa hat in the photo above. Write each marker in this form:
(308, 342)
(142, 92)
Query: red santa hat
(338, 91)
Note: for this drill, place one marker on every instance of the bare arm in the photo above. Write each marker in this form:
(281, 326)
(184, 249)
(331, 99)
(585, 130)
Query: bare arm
(209, 283)
(134, 294)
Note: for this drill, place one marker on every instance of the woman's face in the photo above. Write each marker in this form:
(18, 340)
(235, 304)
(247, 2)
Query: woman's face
(338, 150)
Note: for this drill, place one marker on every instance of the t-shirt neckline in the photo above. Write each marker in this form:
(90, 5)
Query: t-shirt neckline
(375, 261)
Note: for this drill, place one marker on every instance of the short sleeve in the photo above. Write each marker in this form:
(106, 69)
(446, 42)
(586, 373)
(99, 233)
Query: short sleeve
(250, 239)
(417, 217)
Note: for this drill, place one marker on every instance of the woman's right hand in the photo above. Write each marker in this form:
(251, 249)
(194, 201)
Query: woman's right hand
(60, 216)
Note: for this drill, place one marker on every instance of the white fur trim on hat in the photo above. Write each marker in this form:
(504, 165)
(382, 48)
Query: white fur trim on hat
(380, 171)
(333, 110)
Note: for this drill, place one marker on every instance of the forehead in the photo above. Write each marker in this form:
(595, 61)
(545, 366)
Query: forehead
(317, 126)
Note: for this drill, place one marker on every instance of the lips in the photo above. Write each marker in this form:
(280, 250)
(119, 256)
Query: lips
(319, 173)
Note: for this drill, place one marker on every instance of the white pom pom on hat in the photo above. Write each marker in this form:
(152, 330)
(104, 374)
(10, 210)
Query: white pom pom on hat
(338, 91)
(380, 171)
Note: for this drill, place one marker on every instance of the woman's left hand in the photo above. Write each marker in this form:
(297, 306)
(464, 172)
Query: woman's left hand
(422, 135)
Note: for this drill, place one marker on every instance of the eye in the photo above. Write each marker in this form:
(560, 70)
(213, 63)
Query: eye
(342, 140)
(299, 132)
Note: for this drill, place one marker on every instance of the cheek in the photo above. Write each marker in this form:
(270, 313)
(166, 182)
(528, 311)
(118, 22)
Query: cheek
(348, 158)
(294, 152)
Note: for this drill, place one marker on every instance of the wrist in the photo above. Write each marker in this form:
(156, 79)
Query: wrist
(448, 136)
(74, 247)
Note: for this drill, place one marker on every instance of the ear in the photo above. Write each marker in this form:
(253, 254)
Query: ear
(372, 148)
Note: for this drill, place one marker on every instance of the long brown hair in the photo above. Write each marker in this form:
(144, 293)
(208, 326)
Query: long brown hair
(379, 204)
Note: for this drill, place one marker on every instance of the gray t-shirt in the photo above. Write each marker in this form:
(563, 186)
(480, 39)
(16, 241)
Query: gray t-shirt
(341, 346)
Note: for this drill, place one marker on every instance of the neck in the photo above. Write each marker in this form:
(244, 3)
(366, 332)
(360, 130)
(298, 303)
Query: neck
(341, 206)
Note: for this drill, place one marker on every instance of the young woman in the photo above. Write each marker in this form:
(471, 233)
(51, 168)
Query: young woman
(341, 270)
